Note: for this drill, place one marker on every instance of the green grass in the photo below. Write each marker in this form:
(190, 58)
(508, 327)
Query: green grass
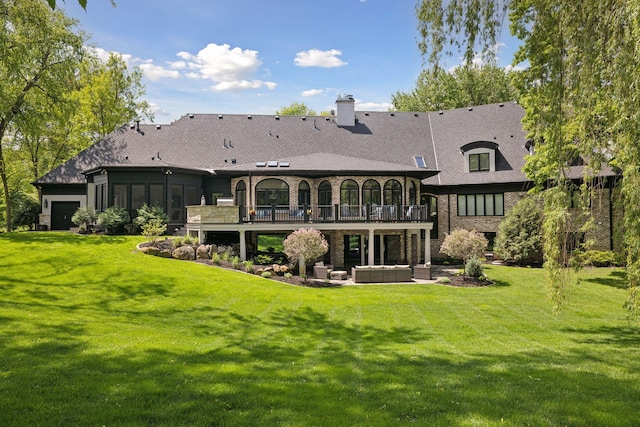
(93, 333)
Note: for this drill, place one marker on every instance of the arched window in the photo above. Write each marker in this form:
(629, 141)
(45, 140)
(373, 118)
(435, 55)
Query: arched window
(392, 192)
(272, 191)
(413, 194)
(349, 193)
(324, 193)
(324, 199)
(241, 194)
(304, 193)
(371, 194)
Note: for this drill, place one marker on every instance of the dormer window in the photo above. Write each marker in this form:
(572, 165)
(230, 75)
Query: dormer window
(479, 162)
(479, 156)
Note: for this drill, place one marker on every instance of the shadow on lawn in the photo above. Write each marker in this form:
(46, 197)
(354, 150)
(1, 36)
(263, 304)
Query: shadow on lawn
(616, 279)
(300, 367)
(60, 237)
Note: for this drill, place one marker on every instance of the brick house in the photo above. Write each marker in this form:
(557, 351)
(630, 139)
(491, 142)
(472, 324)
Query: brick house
(384, 187)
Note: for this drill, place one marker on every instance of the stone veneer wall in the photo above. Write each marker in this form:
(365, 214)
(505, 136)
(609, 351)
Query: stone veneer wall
(212, 214)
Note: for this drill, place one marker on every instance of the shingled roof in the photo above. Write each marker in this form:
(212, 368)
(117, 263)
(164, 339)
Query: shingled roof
(379, 143)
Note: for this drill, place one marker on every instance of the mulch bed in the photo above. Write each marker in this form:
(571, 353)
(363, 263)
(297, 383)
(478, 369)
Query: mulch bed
(466, 282)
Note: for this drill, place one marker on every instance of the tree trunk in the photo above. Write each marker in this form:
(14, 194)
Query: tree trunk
(3, 177)
(302, 267)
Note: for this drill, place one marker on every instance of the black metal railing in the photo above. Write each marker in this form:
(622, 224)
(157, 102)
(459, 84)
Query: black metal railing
(334, 213)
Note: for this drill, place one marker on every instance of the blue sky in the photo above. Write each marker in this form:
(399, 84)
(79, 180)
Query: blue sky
(256, 56)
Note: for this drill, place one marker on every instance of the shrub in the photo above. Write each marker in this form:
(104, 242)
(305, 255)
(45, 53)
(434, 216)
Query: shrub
(190, 240)
(474, 267)
(178, 241)
(444, 280)
(236, 263)
(215, 258)
(84, 217)
(146, 213)
(153, 229)
(263, 259)
(248, 266)
(266, 274)
(25, 211)
(113, 219)
(288, 275)
(519, 236)
(598, 258)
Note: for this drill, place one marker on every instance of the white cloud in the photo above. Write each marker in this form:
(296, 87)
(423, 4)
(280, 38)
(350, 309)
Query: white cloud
(229, 69)
(157, 110)
(312, 92)
(373, 106)
(178, 65)
(103, 55)
(154, 72)
(319, 58)
(242, 85)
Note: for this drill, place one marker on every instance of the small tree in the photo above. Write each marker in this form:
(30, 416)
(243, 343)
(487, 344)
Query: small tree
(153, 229)
(520, 234)
(304, 244)
(464, 244)
(146, 213)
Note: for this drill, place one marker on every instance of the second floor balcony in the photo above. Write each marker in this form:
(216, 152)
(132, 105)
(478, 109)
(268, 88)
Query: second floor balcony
(206, 214)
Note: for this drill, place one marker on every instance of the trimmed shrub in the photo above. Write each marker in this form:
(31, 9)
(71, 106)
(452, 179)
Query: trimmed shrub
(248, 266)
(236, 263)
(598, 258)
(473, 267)
(266, 274)
(519, 236)
(113, 219)
(84, 217)
(215, 258)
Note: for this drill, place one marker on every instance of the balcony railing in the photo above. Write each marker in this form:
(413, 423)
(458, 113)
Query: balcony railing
(334, 213)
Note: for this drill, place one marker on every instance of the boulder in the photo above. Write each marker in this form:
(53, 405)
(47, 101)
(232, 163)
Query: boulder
(186, 253)
(202, 252)
(213, 249)
(165, 253)
(150, 250)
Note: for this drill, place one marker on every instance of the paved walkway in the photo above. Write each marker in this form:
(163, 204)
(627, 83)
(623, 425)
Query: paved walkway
(437, 271)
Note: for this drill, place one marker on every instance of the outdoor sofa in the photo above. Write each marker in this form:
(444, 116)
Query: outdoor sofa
(381, 273)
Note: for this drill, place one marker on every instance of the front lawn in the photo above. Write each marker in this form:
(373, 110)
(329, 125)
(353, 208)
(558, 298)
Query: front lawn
(93, 333)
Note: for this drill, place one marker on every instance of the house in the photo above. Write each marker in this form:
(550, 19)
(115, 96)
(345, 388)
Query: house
(384, 187)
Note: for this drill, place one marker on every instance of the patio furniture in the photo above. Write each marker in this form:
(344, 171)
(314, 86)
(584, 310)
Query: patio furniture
(322, 271)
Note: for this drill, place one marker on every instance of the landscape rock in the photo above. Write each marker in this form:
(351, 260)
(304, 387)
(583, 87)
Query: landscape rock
(186, 253)
(165, 253)
(150, 250)
(202, 252)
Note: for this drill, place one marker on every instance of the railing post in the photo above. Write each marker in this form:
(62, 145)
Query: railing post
(337, 212)
(273, 213)
(305, 213)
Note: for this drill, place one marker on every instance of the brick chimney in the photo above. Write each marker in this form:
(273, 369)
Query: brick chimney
(346, 109)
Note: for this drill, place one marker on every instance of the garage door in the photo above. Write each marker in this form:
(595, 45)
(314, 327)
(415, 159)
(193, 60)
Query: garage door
(61, 213)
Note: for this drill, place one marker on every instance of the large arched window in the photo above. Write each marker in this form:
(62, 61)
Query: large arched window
(324, 193)
(324, 199)
(241, 194)
(413, 194)
(349, 193)
(272, 191)
(304, 193)
(371, 192)
(392, 192)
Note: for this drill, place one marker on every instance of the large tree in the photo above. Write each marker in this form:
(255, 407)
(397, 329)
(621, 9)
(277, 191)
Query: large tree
(40, 53)
(465, 86)
(580, 92)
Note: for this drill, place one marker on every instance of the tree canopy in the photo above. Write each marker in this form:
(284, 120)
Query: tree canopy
(579, 90)
(57, 97)
(296, 109)
(466, 86)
